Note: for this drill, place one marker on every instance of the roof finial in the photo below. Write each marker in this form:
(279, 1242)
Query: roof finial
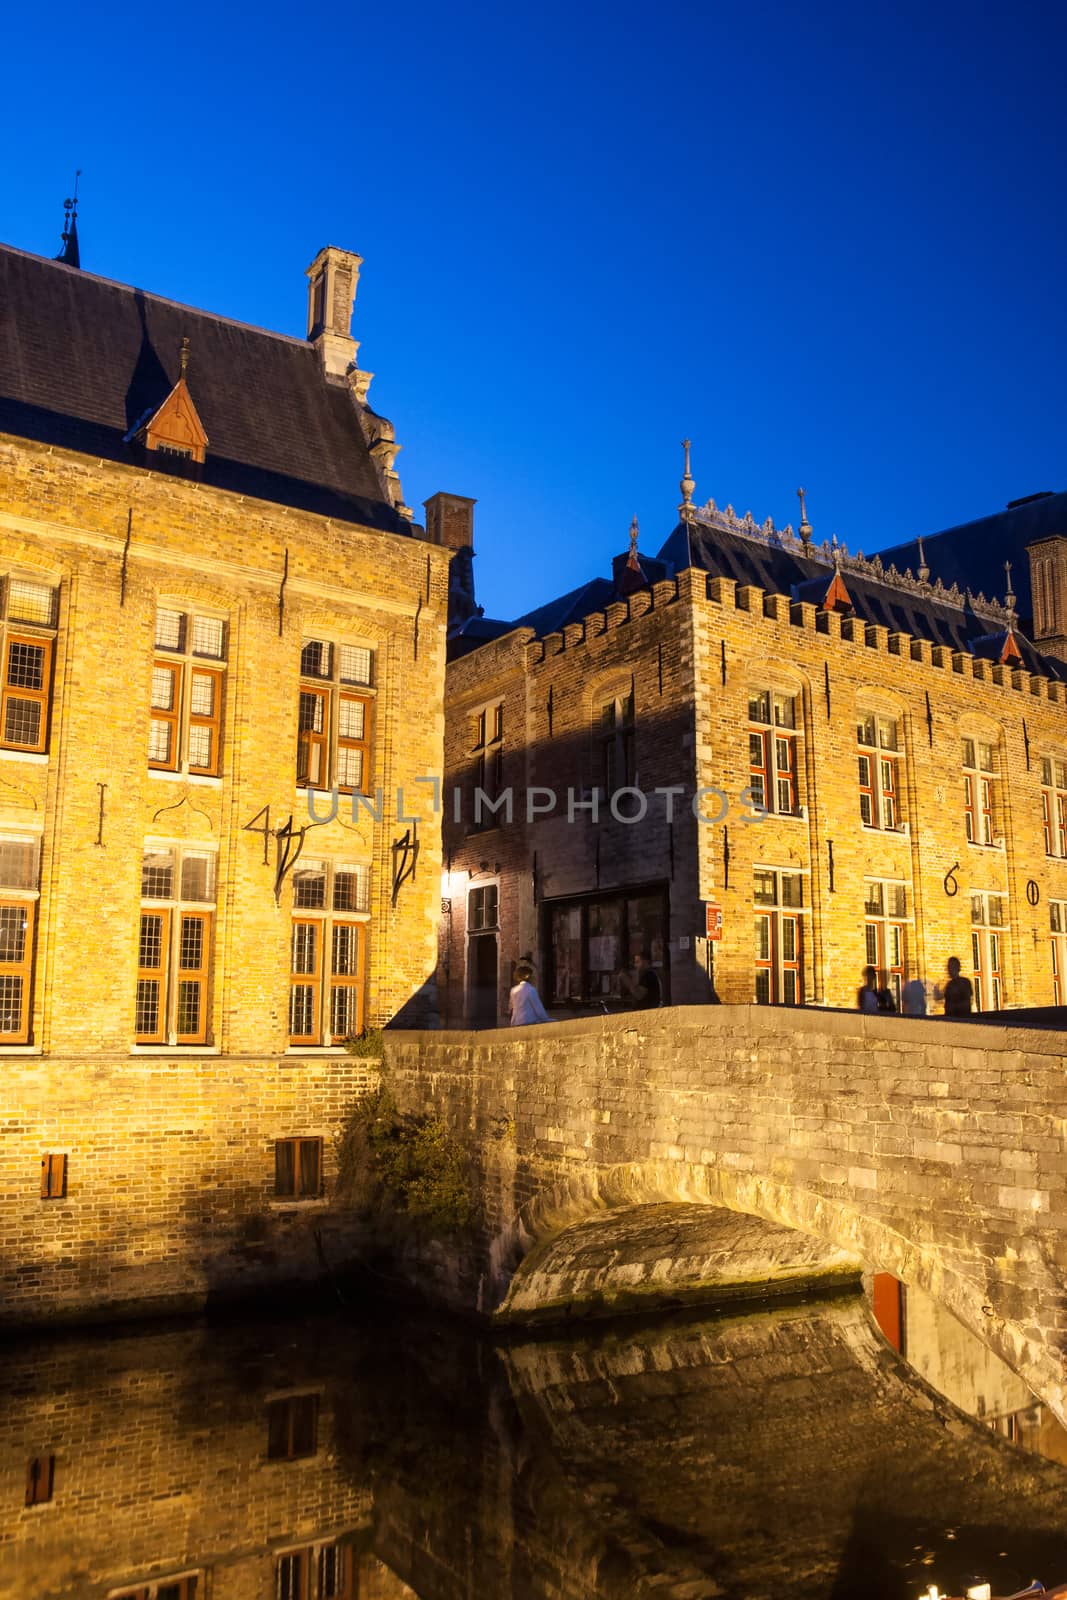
(924, 570)
(687, 485)
(633, 537)
(185, 355)
(70, 254)
(1009, 598)
(805, 529)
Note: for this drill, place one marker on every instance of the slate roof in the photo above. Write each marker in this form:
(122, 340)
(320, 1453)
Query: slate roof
(83, 361)
(973, 554)
(785, 568)
(570, 607)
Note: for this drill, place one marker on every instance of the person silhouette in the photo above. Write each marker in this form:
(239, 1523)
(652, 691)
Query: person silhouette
(958, 993)
(913, 999)
(867, 995)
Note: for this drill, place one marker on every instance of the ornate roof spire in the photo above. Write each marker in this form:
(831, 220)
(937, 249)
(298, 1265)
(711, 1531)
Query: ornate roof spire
(634, 530)
(924, 570)
(1009, 597)
(805, 530)
(70, 254)
(687, 485)
(184, 358)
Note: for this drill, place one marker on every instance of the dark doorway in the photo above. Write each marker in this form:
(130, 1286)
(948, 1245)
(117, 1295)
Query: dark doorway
(482, 979)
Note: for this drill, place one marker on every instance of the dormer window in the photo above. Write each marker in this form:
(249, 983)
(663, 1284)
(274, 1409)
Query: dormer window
(175, 429)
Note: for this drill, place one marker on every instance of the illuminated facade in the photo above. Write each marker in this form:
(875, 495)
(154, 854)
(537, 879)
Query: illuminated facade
(837, 762)
(214, 602)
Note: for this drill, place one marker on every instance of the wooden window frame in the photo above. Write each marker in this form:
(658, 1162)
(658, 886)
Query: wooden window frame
(172, 973)
(21, 970)
(295, 1145)
(487, 748)
(979, 794)
(882, 787)
(309, 1576)
(774, 917)
(332, 691)
(777, 965)
(617, 728)
(987, 950)
(346, 742)
(1054, 809)
(776, 771)
(322, 980)
(40, 1480)
(54, 1175)
(184, 664)
(40, 697)
(1057, 910)
(189, 1587)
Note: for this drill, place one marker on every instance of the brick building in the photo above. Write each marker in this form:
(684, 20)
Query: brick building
(868, 762)
(218, 618)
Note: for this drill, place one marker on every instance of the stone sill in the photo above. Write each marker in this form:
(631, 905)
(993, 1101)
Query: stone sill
(34, 757)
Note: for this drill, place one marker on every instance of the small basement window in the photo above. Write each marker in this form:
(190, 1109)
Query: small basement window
(292, 1427)
(40, 1480)
(53, 1177)
(298, 1168)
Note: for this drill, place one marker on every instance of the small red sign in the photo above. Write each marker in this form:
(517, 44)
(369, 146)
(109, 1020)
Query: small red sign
(714, 916)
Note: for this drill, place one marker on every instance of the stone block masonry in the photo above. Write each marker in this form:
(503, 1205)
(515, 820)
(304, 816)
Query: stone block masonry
(170, 1182)
(895, 1140)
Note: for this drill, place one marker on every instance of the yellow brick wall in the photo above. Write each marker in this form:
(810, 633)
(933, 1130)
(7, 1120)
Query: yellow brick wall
(694, 650)
(896, 675)
(68, 517)
(161, 1466)
(170, 1199)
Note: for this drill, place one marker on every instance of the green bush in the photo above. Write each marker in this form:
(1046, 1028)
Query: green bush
(397, 1165)
(367, 1044)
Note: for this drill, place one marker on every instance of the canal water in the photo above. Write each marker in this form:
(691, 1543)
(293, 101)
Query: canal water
(339, 1455)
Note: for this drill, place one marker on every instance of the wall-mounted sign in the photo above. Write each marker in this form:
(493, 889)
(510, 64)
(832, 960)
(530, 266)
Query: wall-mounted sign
(713, 914)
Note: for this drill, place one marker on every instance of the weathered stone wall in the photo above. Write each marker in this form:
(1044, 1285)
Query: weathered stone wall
(928, 1149)
(170, 1181)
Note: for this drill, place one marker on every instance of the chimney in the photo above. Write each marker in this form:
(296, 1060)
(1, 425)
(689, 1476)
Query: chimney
(450, 522)
(1048, 590)
(332, 280)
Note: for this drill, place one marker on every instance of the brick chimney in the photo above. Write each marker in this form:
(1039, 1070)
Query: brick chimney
(450, 522)
(332, 280)
(1048, 588)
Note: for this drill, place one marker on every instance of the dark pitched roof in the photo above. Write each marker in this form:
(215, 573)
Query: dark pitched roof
(475, 632)
(83, 361)
(973, 554)
(786, 568)
(570, 607)
(733, 555)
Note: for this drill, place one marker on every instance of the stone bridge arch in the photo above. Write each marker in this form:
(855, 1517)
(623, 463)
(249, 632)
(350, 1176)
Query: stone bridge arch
(929, 1149)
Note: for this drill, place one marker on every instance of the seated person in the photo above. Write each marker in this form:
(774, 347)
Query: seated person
(643, 986)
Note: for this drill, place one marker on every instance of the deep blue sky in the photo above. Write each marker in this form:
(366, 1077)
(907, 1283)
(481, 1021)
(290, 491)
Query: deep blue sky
(825, 241)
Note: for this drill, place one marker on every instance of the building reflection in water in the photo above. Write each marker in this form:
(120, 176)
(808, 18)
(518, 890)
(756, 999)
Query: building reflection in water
(780, 1452)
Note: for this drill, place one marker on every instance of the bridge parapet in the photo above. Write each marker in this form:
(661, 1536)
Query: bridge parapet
(930, 1149)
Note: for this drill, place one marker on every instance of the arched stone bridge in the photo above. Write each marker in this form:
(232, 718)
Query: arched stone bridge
(933, 1150)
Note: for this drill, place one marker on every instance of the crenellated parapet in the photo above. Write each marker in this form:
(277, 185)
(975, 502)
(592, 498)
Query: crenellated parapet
(833, 554)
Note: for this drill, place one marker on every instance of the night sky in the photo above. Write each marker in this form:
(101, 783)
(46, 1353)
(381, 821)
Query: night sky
(826, 242)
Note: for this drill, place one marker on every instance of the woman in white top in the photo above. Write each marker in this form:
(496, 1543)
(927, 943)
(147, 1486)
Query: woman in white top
(525, 1001)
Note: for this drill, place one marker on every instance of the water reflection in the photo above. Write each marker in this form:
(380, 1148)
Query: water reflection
(786, 1452)
(961, 1367)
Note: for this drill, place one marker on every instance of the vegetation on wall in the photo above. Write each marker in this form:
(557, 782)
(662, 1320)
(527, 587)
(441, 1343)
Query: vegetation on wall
(397, 1167)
